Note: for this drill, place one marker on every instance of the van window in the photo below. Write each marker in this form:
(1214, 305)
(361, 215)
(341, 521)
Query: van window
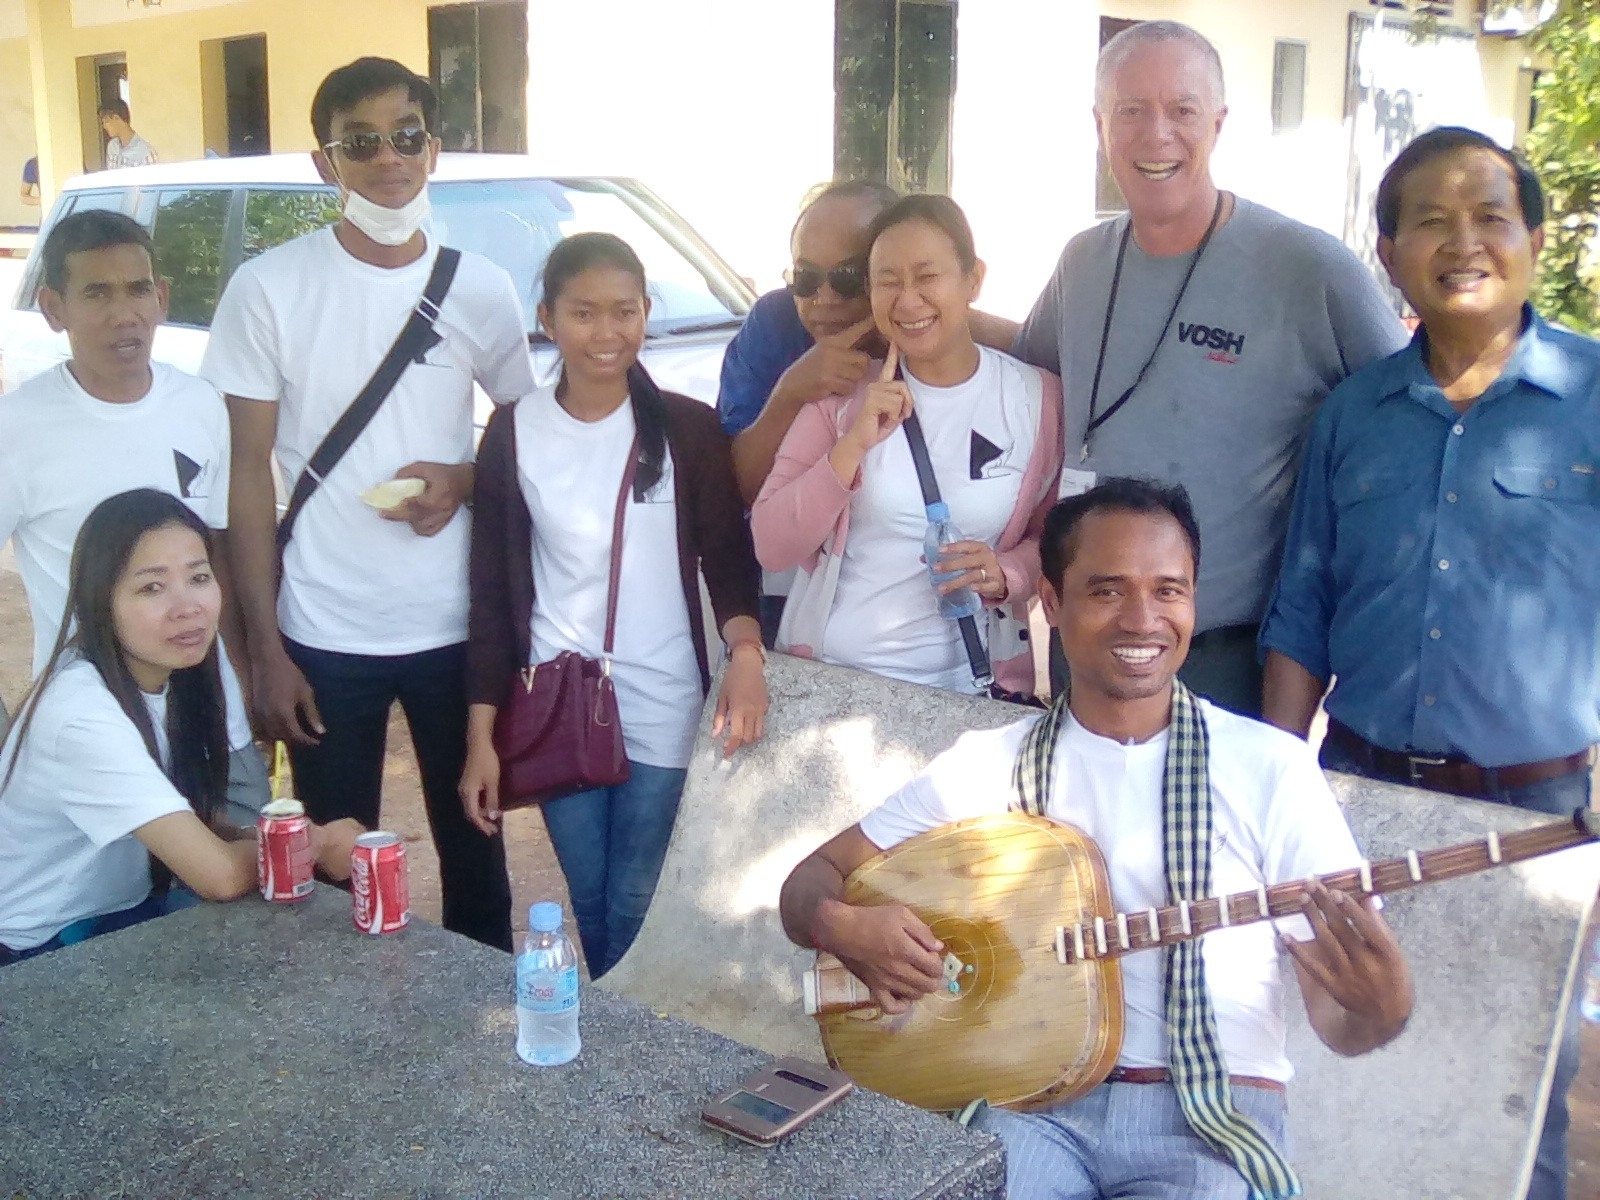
(274, 216)
(189, 235)
(110, 200)
(515, 222)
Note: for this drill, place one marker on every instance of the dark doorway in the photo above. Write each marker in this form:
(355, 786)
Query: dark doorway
(110, 83)
(244, 72)
(478, 58)
(894, 91)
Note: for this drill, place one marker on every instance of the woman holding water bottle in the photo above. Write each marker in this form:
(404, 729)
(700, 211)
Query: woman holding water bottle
(112, 775)
(849, 504)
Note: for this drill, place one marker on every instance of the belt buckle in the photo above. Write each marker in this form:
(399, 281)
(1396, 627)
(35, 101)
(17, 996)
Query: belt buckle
(1415, 763)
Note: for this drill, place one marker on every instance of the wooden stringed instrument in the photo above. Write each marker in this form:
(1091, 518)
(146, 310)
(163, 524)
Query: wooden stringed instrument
(1031, 1012)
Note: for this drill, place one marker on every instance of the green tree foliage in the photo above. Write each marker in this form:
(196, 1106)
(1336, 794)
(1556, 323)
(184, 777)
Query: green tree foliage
(1564, 147)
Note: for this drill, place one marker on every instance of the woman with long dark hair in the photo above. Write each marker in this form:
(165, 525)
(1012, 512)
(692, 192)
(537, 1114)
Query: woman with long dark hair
(114, 772)
(549, 471)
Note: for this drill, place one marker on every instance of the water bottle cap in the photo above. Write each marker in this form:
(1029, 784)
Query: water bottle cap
(938, 511)
(544, 917)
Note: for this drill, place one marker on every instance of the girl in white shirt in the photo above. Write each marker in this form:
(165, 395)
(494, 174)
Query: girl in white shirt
(549, 470)
(113, 774)
(843, 500)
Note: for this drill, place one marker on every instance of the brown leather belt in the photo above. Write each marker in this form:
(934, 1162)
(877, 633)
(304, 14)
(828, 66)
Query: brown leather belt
(1447, 773)
(1162, 1075)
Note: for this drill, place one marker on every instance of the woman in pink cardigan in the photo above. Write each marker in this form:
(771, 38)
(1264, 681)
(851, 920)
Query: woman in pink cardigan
(843, 501)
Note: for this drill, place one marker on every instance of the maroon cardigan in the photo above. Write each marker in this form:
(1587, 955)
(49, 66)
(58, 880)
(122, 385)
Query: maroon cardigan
(712, 537)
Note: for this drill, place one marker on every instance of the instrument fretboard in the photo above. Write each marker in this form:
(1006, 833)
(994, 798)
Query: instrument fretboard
(1153, 927)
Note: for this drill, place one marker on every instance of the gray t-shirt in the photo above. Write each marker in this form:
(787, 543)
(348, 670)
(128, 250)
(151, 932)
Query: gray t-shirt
(1277, 313)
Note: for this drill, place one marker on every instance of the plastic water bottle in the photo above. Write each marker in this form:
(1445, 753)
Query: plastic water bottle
(963, 602)
(1591, 984)
(547, 991)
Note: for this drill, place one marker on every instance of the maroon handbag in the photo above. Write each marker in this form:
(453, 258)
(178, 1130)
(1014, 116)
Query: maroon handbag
(558, 731)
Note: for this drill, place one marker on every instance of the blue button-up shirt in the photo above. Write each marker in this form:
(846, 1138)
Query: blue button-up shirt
(766, 346)
(1444, 567)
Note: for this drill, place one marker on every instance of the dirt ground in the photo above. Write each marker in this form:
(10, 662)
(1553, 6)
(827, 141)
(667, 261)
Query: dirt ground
(536, 876)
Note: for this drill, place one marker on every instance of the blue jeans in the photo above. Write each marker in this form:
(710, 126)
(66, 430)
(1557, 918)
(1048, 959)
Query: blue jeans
(1559, 797)
(1127, 1140)
(611, 843)
(176, 899)
(342, 776)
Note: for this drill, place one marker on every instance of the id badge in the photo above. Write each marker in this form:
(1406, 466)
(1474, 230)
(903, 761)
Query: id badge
(1075, 481)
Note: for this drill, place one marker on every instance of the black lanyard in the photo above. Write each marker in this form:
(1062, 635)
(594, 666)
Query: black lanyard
(1095, 421)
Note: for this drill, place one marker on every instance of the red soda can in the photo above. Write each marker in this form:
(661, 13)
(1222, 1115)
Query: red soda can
(380, 894)
(283, 851)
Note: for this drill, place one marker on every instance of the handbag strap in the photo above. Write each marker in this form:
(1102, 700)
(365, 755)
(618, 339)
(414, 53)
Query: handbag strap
(415, 339)
(626, 490)
(977, 656)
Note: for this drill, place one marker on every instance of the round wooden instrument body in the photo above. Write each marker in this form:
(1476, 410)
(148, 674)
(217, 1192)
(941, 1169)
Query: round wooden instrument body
(1021, 1030)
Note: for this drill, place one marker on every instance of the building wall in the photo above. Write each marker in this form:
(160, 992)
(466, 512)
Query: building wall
(1025, 140)
(16, 130)
(305, 40)
(726, 106)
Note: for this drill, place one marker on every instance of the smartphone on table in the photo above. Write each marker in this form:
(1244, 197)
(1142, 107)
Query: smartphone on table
(778, 1099)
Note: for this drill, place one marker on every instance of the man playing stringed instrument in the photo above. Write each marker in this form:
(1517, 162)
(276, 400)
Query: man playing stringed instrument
(1185, 800)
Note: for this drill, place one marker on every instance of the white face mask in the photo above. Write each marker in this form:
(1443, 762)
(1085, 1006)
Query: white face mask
(387, 226)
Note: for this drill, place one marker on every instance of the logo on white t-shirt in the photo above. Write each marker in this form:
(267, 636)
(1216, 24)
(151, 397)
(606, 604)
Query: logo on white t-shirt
(194, 479)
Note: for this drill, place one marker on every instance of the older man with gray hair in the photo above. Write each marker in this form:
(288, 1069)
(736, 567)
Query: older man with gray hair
(1196, 336)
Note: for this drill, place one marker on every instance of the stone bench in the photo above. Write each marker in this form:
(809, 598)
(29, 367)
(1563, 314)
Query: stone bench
(1450, 1109)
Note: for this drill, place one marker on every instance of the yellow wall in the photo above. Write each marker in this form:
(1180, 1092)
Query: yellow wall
(16, 130)
(305, 40)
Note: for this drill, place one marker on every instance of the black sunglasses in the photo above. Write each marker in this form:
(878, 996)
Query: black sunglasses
(364, 147)
(848, 280)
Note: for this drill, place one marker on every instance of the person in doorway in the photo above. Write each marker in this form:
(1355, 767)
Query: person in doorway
(541, 562)
(370, 606)
(113, 777)
(29, 192)
(1196, 336)
(1440, 565)
(846, 485)
(125, 147)
(1133, 759)
(107, 420)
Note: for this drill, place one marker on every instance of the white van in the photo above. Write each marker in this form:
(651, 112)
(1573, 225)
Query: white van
(208, 216)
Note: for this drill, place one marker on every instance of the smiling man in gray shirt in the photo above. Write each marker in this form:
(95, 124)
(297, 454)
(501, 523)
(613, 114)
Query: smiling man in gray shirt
(1196, 336)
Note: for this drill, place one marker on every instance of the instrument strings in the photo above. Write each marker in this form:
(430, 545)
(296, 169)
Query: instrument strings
(1145, 930)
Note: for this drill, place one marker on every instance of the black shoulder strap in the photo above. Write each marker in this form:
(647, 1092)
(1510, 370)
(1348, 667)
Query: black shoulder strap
(415, 340)
(977, 656)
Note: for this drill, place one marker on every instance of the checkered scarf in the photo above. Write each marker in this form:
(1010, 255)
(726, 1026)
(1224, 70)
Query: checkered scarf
(1199, 1073)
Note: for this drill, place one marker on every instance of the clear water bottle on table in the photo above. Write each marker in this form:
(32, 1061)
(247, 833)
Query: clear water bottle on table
(963, 602)
(547, 991)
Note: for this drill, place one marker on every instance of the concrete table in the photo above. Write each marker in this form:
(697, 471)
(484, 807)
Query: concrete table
(266, 1050)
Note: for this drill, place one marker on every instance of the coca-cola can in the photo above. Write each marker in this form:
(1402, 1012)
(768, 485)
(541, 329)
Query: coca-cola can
(380, 894)
(283, 851)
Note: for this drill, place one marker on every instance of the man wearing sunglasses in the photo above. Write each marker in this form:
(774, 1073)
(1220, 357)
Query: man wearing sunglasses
(801, 343)
(372, 603)
(804, 341)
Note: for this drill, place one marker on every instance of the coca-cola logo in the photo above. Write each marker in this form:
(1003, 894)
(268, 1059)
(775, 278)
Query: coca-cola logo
(361, 887)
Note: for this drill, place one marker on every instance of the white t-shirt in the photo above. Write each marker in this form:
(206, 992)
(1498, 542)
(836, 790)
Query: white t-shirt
(1274, 820)
(980, 436)
(569, 472)
(305, 325)
(135, 153)
(62, 452)
(83, 784)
